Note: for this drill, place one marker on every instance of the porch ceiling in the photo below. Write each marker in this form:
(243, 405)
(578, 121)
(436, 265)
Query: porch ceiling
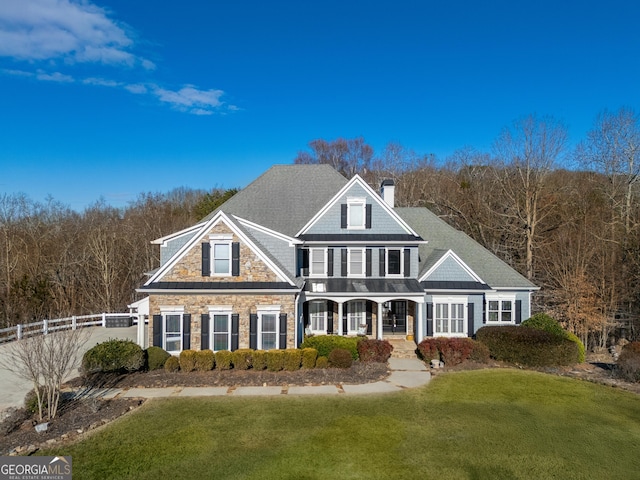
(365, 286)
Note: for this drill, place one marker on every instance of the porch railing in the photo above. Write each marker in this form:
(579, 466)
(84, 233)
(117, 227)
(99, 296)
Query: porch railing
(44, 327)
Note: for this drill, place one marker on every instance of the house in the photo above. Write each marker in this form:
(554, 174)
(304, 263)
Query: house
(302, 250)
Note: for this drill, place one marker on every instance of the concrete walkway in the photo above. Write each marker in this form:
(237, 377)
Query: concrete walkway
(405, 373)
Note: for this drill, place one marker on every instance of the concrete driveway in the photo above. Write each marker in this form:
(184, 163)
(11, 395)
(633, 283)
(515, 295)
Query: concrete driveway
(13, 388)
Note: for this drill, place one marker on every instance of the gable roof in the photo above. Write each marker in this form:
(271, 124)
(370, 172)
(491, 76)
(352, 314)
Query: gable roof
(442, 237)
(285, 197)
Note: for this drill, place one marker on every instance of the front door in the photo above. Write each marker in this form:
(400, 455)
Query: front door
(394, 320)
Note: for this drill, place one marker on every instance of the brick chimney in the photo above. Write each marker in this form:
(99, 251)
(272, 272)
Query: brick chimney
(387, 191)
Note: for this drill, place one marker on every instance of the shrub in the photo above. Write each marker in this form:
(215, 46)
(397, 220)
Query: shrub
(340, 358)
(275, 360)
(628, 366)
(172, 364)
(324, 344)
(31, 400)
(528, 346)
(480, 353)
(542, 321)
(113, 356)
(428, 349)
(187, 360)
(322, 362)
(205, 360)
(241, 358)
(452, 351)
(292, 359)
(372, 350)
(156, 356)
(223, 360)
(309, 356)
(259, 359)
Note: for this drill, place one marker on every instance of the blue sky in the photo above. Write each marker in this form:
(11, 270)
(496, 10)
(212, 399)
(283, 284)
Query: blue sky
(110, 98)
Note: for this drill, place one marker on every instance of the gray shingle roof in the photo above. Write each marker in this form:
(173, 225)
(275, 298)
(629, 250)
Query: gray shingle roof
(367, 285)
(442, 237)
(285, 197)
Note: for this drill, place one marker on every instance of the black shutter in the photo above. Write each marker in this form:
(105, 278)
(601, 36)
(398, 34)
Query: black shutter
(407, 262)
(369, 318)
(381, 262)
(470, 319)
(186, 331)
(367, 217)
(253, 331)
(368, 262)
(343, 262)
(429, 319)
(157, 331)
(206, 259)
(343, 215)
(283, 331)
(235, 327)
(235, 259)
(204, 331)
(484, 311)
(330, 262)
(518, 312)
(345, 325)
(305, 314)
(304, 262)
(329, 317)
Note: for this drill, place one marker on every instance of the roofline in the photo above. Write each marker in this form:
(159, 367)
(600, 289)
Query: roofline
(267, 231)
(195, 291)
(451, 254)
(380, 243)
(163, 240)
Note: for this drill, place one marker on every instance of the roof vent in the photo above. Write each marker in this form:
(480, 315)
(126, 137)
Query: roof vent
(387, 191)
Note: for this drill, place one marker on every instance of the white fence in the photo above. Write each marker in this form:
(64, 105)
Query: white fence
(45, 326)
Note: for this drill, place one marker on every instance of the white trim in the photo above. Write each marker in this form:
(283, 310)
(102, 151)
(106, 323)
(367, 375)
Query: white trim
(361, 204)
(363, 273)
(351, 315)
(324, 315)
(171, 309)
(386, 263)
(324, 263)
(163, 240)
(371, 194)
(220, 240)
(458, 260)
(220, 310)
(501, 297)
(249, 291)
(450, 300)
(166, 311)
(268, 310)
(267, 231)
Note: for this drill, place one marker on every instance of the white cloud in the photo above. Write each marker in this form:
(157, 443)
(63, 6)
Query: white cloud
(136, 88)
(190, 99)
(54, 77)
(70, 30)
(102, 82)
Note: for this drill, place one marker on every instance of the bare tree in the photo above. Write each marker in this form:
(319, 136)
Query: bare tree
(348, 156)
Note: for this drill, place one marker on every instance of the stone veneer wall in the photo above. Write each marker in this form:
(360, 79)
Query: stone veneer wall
(189, 268)
(243, 304)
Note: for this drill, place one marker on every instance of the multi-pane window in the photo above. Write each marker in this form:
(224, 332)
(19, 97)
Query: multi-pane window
(356, 262)
(355, 316)
(356, 213)
(221, 258)
(318, 317)
(318, 261)
(173, 332)
(394, 262)
(449, 316)
(221, 331)
(500, 311)
(268, 331)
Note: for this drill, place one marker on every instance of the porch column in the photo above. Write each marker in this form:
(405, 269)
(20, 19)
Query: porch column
(420, 332)
(339, 320)
(140, 331)
(379, 321)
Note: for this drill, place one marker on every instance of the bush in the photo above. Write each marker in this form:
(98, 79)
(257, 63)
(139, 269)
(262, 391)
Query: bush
(224, 360)
(275, 360)
(480, 353)
(324, 344)
(113, 356)
(542, 321)
(452, 351)
(322, 362)
(628, 366)
(172, 364)
(372, 350)
(205, 360)
(340, 358)
(528, 346)
(187, 360)
(292, 359)
(156, 357)
(428, 349)
(309, 356)
(259, 359)
(241, 358)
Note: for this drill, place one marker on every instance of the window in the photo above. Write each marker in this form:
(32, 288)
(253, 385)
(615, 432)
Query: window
(172, 340)
(318, 261)
(221, 258)
(500, 310)
(356, 262)
(355, 316)
(356, 213)
(268, 333)
(221, 331)
(318, 317)
(449, 316)
(394, 262)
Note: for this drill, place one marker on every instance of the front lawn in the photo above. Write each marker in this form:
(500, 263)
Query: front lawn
(479, 424)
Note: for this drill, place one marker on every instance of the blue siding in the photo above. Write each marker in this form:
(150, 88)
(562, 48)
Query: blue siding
(277, 248)
(171, 248)
(450, 270)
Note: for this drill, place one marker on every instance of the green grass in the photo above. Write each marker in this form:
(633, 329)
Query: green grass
(488, 424)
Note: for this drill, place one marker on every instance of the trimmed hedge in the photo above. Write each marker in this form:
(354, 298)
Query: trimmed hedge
(322, 362)
(172, 364)
(156, 356)
(628, 366)
(292, 359)
(309, 356)
(259, 359)
(528, 346)
(113, 356)
(275, 360)
(205, 360)
(187, 360)
(241, 358)
(452, 351)
(542, 321)
(324, 344)
(340, 358)
(224, 359)
(372, 350)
